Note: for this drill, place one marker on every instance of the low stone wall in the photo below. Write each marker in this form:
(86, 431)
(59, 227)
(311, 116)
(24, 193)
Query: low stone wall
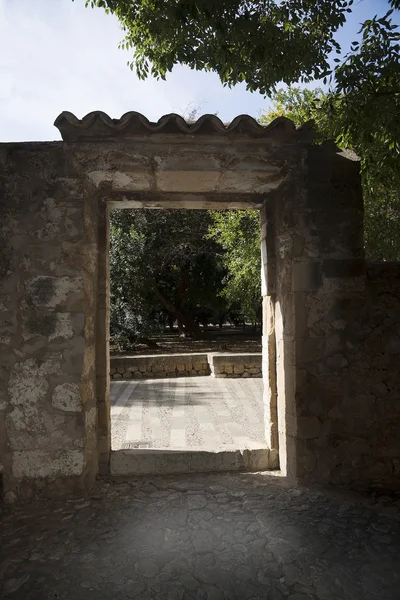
(158, 366)
(236, 365)
(185, 365)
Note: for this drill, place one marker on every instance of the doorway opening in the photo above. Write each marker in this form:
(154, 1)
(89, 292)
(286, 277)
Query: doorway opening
(186, 388)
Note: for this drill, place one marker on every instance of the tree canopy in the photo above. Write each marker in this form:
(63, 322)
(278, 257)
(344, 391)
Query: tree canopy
(266, 42)
(238, 234)
(379, 159)
(163, 267)
(259, 42)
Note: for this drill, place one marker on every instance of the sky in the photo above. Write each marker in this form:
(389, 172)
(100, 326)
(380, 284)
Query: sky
(57, 55)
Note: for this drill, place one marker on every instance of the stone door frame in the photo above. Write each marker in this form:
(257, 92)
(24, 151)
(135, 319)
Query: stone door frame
(103, 326)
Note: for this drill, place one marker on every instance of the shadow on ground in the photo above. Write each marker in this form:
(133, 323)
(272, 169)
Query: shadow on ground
(173, 392)
(203, 537)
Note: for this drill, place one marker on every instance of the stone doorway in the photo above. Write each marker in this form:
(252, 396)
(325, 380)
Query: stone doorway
(54, 408)
(175, 175)
(188, 412)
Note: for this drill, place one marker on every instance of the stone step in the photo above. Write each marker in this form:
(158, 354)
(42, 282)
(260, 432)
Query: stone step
(165, 461)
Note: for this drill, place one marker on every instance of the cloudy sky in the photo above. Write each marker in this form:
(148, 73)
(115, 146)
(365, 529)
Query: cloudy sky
(57, 55)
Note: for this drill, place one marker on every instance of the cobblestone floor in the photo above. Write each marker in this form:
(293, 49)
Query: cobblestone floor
(203, 413)
(215, 537)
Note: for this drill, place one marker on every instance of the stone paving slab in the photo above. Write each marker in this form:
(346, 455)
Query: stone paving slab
(196, 413)
(215, 537)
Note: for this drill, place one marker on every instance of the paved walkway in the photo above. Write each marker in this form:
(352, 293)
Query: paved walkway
(215, 537)
(196, 413)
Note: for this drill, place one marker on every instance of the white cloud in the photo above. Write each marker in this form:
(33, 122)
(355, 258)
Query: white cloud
(57, 55)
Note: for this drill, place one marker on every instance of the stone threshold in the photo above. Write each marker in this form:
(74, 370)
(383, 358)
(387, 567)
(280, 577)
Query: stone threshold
(169, 462)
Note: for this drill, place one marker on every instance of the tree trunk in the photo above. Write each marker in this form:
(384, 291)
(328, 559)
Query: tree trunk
(190, 325)
(147, 342)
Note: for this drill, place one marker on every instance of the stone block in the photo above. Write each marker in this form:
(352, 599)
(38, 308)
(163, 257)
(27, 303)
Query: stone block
(343, 268)
(187, 181)
(56, 292)
(337, 361)
(41, 463)
(308, 427)
(67, 397)
(306, 276)
(238, 369)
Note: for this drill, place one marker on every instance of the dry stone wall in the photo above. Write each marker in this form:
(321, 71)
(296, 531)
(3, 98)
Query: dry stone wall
(236, 365)
(158, 366)
(185, 365)
(351, 433)
(365, 423)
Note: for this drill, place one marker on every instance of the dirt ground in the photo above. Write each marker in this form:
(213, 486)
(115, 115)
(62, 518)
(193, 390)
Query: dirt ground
(215, 339)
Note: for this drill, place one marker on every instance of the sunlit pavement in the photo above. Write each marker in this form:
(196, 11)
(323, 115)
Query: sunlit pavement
(203, 413)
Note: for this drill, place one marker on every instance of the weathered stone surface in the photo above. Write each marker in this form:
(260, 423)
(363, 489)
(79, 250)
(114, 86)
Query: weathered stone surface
(348, 385)
(161, 462)
(67, 397)
(56, 292)
(44, 464)
(49, 300)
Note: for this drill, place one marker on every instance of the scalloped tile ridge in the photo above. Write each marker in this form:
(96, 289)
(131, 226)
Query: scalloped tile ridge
(98, 125)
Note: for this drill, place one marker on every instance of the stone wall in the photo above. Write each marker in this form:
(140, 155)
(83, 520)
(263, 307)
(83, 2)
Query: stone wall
(331, 326)
(158, 366)
(236, 365)
(361, 430)
(185, 365)
(48, 265)
(336, 329)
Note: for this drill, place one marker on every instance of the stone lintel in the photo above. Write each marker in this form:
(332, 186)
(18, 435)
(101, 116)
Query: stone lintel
(156, 200)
